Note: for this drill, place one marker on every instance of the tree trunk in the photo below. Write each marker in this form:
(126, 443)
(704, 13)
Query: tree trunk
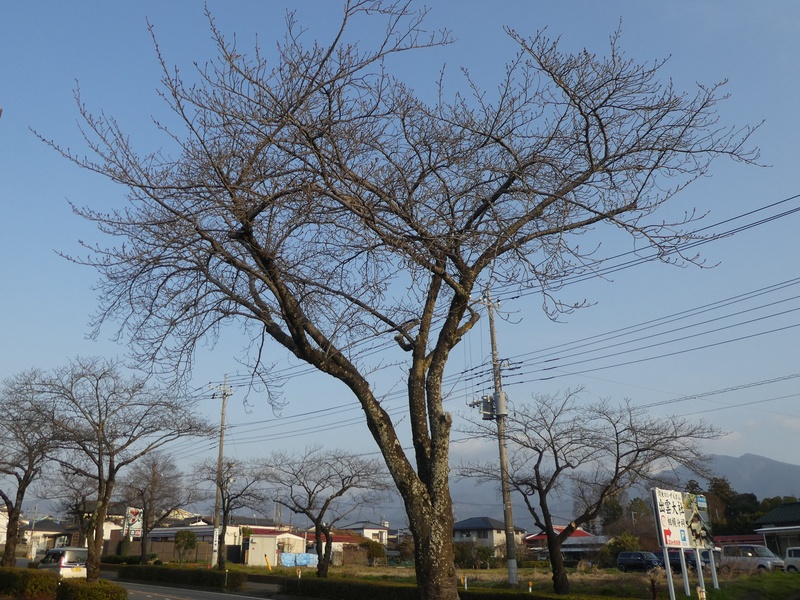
(221, 549)
(560, 579)
(12, 539)
(324, 551)
(95, 547)
(143, 544)
(431, 525)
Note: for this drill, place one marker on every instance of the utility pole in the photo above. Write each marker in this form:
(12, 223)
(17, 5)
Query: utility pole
(495, 407)
(224, 392)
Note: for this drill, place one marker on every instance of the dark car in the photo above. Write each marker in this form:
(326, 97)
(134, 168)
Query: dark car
(638, 560)
(690, 557)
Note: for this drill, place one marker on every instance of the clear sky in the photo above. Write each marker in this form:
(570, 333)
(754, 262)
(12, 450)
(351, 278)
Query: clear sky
(735, 363)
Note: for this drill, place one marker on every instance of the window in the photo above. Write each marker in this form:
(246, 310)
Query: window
(483, 534)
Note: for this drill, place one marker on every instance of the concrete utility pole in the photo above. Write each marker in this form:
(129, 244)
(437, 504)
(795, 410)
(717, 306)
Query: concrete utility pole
(224, 392)
(495, 407)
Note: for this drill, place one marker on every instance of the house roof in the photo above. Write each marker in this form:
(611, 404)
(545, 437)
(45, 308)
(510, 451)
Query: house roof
(785, 514)
(251, 521)
(481, 523)
(365, 525)
(578, 533)
(45, 526)
(579, 538)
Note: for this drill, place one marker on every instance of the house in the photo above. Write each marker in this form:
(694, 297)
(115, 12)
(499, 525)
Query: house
(202, 532)
(780, 527)
(44, 534)
(579, 545)
(484, 531)
(378, 532)
(3, 524)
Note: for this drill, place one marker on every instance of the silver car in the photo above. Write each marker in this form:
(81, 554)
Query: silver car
(67, 562)
(749, 558)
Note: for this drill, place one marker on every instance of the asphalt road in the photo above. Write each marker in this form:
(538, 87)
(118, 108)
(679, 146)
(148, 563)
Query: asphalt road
(256, 591)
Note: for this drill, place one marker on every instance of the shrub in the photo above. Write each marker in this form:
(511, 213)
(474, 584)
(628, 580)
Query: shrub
(607, 556)
(79, 589)
(130, 559)
(184, 542)
(375, 550)
(28, 583)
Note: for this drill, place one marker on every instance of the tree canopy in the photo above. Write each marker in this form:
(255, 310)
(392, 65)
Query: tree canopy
(311, 196)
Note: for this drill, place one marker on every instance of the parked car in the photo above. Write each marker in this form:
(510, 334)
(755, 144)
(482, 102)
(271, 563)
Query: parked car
(705, 558)
(675, 560)
(638, 561)
(792, 561)
(67, 562)
(749, 557)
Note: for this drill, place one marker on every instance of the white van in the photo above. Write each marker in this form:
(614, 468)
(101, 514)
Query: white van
(748, 558)
(792, 560)
(67, 562)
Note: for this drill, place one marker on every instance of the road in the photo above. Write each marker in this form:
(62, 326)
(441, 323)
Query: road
(141, 591)
(258, 591)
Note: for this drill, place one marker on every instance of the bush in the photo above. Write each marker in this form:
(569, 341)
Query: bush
(28, 583)
(214, 578)
(338, 589)
(375, 550)
(80, 589)
(607, 556)
(131, 559)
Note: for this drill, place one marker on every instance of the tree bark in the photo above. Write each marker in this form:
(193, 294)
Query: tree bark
(560, 579)
(12, 538)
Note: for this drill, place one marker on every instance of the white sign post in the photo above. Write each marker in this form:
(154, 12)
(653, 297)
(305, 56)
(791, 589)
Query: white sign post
(671, 527)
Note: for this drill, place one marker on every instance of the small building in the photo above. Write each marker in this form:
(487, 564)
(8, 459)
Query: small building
(378, 532)
(780, 527)
(44, 534)
(579, 545)
(484, 531)
(264, 546)
(3, 524)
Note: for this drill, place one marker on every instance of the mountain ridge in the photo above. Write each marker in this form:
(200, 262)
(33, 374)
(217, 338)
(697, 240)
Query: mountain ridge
(759, 475)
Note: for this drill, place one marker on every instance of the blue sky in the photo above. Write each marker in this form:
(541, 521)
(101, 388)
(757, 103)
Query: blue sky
(47, 47)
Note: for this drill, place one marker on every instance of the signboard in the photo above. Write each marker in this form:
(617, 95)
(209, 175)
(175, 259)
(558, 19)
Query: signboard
(696, 511)
(670, 519)
(133, 523)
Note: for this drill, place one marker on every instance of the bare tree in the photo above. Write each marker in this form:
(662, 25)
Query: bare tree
(314, 199)
(326, 487)
(240, 485)
(157, 487)
(26, 444)
(74, 496)
(560, 446)
(105, 422)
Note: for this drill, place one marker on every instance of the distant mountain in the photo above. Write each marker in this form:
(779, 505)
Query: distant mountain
(764, 477)
(749, 473)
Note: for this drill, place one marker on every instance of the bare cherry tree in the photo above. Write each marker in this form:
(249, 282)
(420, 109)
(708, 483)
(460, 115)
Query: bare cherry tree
(156, 486)
(105, 421)
(312, 198)
(73, 495)
(26, 444)
(559, 446)
(326, 486)
(240, 484)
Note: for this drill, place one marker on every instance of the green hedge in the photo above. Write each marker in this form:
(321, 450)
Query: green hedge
(343, 589)
(80, 589)
(232, 580)
(28, 583)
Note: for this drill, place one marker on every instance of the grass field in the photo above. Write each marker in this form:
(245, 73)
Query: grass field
(599, 583)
